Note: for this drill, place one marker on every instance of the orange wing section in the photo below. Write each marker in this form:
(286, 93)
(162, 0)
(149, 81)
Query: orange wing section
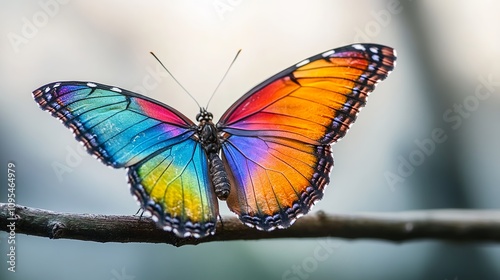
(278, 135)
(314, 101)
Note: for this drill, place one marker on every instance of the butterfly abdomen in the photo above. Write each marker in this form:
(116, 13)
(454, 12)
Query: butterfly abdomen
(219, 176)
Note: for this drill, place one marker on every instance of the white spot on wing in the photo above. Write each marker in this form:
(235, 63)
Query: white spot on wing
(328, 53)
(375, 57)
(302, 63)
(374, 49)
(249, 224)
(91, 85)
(167, 228)
(359, 47)
(116, 89)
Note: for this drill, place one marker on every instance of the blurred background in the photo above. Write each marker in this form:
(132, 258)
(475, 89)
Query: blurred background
(447, 79)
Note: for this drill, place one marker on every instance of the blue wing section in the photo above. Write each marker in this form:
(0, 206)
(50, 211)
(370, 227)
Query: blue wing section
(120, 127)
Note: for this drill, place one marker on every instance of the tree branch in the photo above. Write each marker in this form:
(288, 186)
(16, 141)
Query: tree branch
(449, 225)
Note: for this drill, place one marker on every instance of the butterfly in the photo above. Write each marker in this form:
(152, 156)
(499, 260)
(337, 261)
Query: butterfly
(268, 156)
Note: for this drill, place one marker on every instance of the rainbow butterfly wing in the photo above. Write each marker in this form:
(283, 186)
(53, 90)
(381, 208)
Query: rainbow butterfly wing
(277, 136)
(167, 166)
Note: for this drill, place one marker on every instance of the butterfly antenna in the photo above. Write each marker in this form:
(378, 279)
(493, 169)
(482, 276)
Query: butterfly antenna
(175, 78)
(223, 77)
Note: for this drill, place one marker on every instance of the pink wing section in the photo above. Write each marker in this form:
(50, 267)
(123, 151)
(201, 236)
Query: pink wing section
(158, 112)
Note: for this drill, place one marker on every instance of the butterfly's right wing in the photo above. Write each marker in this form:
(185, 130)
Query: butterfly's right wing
(277, 137)
(167, 167)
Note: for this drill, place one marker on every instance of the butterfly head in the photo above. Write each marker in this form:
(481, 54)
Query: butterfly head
(204, 115)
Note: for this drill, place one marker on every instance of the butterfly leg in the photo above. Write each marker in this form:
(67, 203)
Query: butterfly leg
(139, 210)
(221, 221)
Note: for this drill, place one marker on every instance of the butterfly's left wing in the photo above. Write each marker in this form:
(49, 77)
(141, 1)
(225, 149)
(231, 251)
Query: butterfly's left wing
(277, 136)
(167, 166)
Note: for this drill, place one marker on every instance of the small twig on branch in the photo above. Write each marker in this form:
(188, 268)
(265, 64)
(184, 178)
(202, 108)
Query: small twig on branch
(448, 225)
